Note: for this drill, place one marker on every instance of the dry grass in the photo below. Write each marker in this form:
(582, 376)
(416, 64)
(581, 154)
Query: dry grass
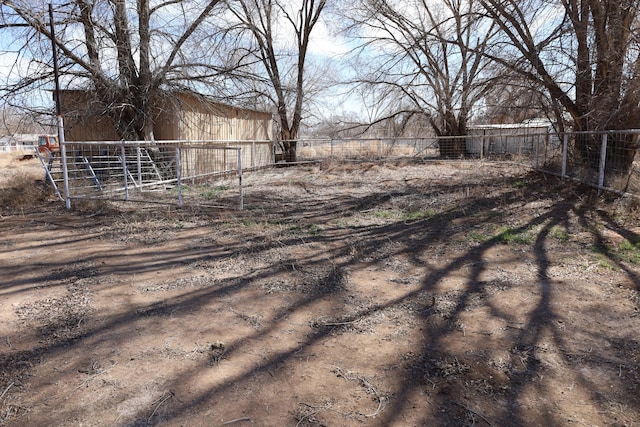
(344, 294)
(23, 193)
(21, 185)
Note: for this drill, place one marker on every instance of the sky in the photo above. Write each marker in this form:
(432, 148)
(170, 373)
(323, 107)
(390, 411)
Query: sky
(326, 47)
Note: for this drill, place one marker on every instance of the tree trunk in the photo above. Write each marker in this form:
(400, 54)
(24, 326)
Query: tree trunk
(289, 144)
(452, 137)
(290, 155)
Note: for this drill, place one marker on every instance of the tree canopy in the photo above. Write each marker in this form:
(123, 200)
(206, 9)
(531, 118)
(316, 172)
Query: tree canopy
(284, 65)
(428, 58)
(443, 60)
(129, 56)
(586, 54)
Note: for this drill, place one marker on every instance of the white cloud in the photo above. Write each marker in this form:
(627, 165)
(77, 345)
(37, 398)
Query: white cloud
(9, 57)
(323, 43)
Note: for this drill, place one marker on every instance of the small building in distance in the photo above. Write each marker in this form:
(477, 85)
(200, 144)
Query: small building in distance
(509, 138)
(18, 141)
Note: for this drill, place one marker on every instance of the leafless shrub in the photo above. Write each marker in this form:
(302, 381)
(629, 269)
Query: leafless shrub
(23, 193)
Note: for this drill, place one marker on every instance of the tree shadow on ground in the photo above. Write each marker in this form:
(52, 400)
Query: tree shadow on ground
(447, 378)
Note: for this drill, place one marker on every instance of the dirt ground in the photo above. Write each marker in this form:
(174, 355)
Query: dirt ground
(360, 294)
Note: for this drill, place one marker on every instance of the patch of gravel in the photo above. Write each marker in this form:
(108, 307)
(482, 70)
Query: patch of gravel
(16, 369)
(75, 271)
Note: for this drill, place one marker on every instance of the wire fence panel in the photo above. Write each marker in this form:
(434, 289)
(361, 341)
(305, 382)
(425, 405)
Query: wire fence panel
(366, 148)
(530, 148)
(189, 172)
(606, 160)
(162, 171)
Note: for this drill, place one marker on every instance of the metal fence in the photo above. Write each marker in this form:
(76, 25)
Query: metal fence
(605, 160)
(497, 146)
(174, 171)
(187, 172)
(366, 148)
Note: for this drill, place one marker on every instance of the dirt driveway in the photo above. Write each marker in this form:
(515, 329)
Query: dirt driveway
(395, 294)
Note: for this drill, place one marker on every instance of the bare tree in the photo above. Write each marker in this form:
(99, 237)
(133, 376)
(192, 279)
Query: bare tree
(585, 54)
(287, 82)
(16, 121)
(129, 56)
(515, 99)
(428, 59)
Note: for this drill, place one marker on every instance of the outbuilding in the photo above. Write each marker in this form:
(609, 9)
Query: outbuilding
(188, 117)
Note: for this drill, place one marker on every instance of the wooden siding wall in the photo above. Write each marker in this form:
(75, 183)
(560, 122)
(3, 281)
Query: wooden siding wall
(188, 119)
(196, 162)
(218, 122)
(81, 120)
(167, 127)
(90, 129)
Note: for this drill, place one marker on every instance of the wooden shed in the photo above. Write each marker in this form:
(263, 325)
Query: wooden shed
(188, 117)
(201, 127)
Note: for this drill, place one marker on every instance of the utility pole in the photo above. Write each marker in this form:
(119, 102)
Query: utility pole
(56, 75)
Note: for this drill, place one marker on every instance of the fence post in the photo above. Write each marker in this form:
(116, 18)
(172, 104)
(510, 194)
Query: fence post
(565, 148)
(179, 175)
(65, 169)
(241, 203)
(538, 154)
(331, 155)
(603, 160)
(139, 164)
(125, 172)
(521, 144)
(273, 152)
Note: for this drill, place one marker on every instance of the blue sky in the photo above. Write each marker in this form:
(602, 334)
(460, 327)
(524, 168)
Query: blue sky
(325, 48)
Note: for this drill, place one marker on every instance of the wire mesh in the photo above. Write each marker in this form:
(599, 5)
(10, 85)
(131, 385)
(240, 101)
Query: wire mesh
(605, 159)
(366, 148)
(190, 171)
